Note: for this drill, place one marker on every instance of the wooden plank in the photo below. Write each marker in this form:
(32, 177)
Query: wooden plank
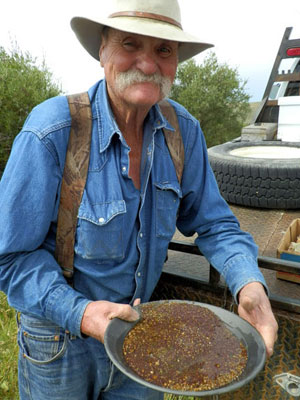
(294, 77)
(272, 103)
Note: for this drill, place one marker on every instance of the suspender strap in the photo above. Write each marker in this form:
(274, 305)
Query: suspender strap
(73, 181)
(173, 139)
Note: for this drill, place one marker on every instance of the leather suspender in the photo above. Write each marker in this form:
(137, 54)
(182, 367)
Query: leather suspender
(173, 139)
(76, 169)
(73, 181)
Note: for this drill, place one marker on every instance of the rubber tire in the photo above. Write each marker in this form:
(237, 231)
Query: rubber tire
(256, 182)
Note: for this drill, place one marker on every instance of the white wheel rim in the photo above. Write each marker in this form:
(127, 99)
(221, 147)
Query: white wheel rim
(275, 152)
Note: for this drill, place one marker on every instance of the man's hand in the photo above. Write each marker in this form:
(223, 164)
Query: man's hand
(254, 307)
(98, 314)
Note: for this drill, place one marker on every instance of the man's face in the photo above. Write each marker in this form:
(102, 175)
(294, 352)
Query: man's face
(139, 70)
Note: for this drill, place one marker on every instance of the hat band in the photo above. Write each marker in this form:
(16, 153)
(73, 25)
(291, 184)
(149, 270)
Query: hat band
(141, 14)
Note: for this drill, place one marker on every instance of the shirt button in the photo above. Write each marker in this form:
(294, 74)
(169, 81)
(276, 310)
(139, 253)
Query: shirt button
(124, 169)
(138, 274)
(141, 235)
(101, 220)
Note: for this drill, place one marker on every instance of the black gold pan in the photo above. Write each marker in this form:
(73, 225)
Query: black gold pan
(249, 336)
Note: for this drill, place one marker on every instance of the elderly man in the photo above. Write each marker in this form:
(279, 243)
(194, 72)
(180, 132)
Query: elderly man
(131, 204)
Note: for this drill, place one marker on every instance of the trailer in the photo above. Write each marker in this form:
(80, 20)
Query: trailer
(263, 191)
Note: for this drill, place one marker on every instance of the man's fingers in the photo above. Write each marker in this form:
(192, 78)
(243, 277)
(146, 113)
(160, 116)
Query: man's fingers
(125, 312)
(254, 307)
(137, 302)
(98, 314)
(269, 334)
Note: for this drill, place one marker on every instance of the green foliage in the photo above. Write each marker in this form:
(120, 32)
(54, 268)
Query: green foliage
(23, 85)
(215, 95)
(8, 351)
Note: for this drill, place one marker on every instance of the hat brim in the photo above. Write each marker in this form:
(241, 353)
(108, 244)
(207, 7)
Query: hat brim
(88, 33)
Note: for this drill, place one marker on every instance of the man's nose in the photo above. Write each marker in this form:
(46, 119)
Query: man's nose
(146, 63)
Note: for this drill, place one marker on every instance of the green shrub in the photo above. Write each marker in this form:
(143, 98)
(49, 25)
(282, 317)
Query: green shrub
(23, 85)
(215, 95)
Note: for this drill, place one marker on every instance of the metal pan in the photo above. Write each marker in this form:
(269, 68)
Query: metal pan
(249, 336)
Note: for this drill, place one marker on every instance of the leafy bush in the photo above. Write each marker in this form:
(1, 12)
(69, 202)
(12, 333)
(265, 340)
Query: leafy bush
(23, 85)
(215, 95)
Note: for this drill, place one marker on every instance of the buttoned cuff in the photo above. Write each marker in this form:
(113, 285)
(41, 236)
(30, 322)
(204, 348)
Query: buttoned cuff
(66, 307)
(241, 270)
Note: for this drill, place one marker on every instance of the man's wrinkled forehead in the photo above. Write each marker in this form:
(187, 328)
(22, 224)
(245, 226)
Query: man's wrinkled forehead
(109, 33)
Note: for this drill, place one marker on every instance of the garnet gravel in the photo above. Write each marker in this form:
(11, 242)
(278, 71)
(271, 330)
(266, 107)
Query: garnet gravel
(183, 346)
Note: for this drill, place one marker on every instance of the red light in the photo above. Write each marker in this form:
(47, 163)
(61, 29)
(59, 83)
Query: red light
(294, 52)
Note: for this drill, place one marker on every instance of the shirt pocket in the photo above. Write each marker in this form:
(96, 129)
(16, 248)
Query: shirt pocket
(168, 197)
(100, 231)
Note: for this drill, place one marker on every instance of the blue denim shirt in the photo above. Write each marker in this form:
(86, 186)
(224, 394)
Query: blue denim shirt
(122, 233)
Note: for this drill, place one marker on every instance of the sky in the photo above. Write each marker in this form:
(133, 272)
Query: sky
(246, 35)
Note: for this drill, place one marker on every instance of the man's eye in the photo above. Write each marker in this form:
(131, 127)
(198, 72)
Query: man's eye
(164, 51)
(129, 45)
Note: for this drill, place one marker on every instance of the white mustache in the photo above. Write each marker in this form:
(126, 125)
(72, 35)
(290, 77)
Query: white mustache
(128, 78)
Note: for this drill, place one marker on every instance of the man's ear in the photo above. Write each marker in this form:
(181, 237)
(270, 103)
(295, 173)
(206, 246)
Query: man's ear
(102, 48)
(101, 54)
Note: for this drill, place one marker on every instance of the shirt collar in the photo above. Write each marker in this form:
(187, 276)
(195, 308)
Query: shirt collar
(107, 125)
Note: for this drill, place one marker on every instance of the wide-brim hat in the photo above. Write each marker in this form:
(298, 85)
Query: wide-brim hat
(155, 18)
